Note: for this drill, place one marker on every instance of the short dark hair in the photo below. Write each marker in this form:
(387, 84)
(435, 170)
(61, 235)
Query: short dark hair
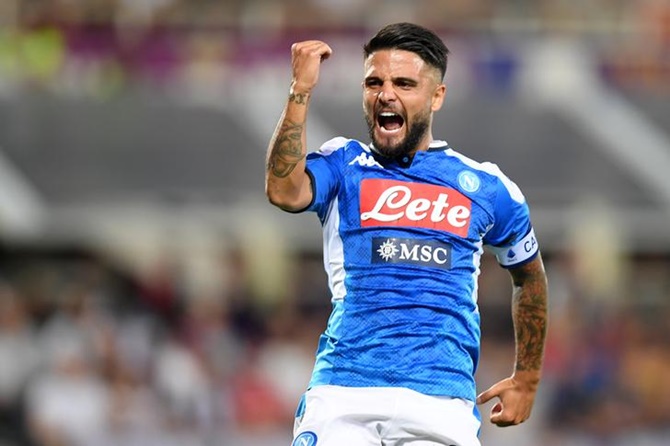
(410, 37)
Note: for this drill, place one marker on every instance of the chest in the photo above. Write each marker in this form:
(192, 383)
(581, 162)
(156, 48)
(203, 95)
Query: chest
(429, 198)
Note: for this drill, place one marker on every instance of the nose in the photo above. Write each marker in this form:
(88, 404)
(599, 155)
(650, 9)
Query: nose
(386, 93)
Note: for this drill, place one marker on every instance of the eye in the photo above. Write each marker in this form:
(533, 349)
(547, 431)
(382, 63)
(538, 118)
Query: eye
(373, 83)
(405, 84)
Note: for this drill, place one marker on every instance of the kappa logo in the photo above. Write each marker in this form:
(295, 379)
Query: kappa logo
(307, 438)
(366, 160)
(403, 204)
(412, 252)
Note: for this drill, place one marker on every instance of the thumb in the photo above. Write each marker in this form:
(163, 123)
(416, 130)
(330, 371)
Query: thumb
(490, 393)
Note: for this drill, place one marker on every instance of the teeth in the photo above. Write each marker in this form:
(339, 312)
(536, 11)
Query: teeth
(388, 114)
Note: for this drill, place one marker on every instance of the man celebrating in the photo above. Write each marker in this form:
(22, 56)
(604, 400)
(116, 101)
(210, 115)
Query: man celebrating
(405, 220)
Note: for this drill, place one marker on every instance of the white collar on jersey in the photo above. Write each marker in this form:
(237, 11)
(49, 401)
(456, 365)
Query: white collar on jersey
(436, 144)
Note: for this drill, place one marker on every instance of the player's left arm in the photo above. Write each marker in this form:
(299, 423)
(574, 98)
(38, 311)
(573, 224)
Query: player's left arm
(529, 314)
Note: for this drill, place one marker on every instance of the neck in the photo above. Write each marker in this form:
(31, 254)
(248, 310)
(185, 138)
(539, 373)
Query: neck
(424, 143)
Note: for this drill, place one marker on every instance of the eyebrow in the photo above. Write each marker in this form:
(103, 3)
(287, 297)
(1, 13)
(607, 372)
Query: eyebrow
(395, 80)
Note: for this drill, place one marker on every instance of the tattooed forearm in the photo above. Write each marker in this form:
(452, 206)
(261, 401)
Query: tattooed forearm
(298, 98)
(287, 150)
(529, 312)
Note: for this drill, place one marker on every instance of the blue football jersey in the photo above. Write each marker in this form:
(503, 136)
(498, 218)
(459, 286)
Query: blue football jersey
(402, 246)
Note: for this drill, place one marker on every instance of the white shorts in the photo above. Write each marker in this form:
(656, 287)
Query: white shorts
(383, 416)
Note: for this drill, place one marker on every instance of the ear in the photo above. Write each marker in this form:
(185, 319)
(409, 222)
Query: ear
(438, 97)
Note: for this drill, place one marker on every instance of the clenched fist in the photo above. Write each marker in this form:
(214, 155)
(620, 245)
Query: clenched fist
(306, 58)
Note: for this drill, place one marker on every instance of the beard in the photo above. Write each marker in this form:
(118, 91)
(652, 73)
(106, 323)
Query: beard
(408, 144)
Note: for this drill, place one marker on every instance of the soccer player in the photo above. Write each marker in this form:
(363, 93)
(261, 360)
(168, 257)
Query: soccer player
(405, 219)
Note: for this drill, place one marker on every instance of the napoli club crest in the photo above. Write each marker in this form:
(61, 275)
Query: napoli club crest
(468, 181)
(305, 439)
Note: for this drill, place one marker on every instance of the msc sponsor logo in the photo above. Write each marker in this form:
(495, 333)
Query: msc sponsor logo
(411, 252)
(403, 204)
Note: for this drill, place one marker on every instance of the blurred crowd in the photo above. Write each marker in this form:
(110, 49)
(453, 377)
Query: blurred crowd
(103, 47)
(319, 14)
(92, 353)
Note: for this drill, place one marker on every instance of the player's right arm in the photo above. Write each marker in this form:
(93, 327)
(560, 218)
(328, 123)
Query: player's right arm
(287, 185)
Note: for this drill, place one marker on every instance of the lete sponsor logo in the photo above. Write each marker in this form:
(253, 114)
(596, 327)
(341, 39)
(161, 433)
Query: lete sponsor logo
(404, 204)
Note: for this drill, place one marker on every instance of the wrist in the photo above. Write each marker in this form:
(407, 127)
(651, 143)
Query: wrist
(298, 98)
(529, 378)
(298, 89)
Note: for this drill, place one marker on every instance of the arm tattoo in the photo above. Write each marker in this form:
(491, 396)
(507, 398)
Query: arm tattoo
(298, 98)
(287, 150)
(529, 312)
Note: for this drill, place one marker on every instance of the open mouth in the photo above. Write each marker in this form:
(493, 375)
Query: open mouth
(390, 122)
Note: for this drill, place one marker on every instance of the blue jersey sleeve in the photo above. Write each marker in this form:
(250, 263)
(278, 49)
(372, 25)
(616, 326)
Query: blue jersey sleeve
(511, 238)
(324, 169)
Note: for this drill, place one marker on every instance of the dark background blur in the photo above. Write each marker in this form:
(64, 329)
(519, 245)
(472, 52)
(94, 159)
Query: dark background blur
(149, 295)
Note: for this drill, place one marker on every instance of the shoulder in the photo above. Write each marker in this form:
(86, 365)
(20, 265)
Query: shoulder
(340, 143)
(489, 170)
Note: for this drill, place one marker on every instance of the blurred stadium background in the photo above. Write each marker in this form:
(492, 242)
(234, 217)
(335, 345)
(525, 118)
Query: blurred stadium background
(150, 296)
